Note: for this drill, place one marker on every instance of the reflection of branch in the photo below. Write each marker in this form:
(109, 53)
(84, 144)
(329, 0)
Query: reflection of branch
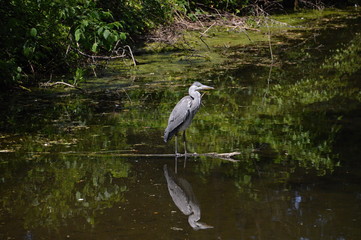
(223, 156)
(272, 62)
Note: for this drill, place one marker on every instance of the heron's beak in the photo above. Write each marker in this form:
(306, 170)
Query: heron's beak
(205, 87)
(202, 225)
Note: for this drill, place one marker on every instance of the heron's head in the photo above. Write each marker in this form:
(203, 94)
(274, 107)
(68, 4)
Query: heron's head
(197, 86)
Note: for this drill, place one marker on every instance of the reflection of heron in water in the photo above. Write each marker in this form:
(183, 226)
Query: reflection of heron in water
(182, 194)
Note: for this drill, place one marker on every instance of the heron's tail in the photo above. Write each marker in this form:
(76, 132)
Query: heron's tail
(169, 134)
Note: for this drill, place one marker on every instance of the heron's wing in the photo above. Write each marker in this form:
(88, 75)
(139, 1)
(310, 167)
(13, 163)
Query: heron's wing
(178, 116)
(180, 111)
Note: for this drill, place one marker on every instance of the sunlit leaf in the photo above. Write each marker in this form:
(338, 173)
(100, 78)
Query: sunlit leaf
(122, 36)
(94, 47)
(77, 34)
(85, 23)
(106, 33)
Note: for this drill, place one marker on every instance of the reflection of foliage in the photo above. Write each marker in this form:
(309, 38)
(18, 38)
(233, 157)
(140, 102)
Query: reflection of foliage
(316, 95)
(56, 190)
(346, 60)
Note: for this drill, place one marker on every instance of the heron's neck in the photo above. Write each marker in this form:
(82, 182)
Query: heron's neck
(194, 94)
(193, 219)
(193, 222)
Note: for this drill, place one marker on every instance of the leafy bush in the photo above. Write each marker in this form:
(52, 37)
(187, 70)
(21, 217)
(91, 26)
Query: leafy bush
(37, 36)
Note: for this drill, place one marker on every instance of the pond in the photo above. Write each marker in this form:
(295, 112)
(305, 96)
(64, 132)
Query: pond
(94, 165)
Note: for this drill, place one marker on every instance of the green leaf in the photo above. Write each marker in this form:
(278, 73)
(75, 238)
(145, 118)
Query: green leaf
(106, 33)
(122, 36)
(33, 32)
(115, 25)
(100, 31)
(77, 34)
(28, 51)
(112, 38)
(107, 14)
(85, 23)
(94, 47)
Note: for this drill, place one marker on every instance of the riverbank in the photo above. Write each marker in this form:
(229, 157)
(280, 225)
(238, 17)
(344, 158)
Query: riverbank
(71, 42)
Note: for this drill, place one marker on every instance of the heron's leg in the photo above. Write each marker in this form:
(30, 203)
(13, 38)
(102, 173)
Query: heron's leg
(176, 145)
(185, 161)
(185, 143)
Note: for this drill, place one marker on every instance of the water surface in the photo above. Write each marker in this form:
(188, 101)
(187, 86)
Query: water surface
(71, 164)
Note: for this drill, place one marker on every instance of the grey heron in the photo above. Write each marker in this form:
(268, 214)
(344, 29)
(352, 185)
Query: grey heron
(183, 114)
(183, 196)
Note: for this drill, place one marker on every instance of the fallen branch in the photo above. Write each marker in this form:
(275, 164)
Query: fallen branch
(51, 84)
(223, 156)
(100, 57)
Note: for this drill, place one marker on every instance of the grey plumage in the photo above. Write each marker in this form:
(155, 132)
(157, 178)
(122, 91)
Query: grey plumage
(184, 112)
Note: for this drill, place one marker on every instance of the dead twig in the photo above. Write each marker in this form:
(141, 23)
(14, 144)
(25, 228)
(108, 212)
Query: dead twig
(51, 84)
(203, 34)
(131, 54)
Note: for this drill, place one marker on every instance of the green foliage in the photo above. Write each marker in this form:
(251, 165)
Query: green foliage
(138, 17)
(93, 29)
(40, 37)
(79, 76)
(37, 36)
